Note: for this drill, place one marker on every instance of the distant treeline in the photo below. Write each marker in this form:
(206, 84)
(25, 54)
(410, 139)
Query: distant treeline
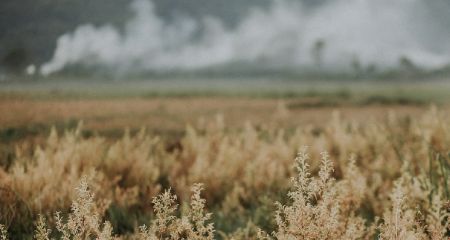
(29, 29)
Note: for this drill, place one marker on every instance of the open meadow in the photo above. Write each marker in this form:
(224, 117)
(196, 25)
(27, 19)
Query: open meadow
(225, 120)
(147, 160)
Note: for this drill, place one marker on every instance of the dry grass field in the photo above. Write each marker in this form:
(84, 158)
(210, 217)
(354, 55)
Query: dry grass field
(175, 113)
(224, 167)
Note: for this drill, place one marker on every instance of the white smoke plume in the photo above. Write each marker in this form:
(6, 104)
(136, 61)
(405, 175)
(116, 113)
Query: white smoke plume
(334, 36)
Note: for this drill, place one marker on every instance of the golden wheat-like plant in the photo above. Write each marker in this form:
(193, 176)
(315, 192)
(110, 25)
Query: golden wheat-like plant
(398, 173)
(322, 208)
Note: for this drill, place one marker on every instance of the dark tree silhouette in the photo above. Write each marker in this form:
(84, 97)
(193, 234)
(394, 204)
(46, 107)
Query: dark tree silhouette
(16, 60)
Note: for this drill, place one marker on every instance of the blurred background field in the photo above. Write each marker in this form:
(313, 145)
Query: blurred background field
(301, 94)
(31, 107)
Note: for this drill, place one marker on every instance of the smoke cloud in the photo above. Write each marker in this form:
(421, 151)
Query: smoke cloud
(335, 36)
